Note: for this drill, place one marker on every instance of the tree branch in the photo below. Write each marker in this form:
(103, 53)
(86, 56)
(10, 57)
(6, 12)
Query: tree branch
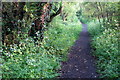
(55, 14)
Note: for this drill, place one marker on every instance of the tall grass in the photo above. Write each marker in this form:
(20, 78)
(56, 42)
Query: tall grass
(106, 50)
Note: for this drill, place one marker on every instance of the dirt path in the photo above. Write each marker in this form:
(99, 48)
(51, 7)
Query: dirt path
(80, 63)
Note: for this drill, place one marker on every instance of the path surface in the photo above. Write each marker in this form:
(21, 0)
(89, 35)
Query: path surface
(80, 63)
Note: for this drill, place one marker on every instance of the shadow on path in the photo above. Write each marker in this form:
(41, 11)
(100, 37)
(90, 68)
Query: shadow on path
(80, 62)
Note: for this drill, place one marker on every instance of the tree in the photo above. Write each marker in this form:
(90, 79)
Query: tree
(18, 17)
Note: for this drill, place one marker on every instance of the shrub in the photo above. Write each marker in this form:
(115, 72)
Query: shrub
(106, 50)
(27, 60)
(95, 28)
(61, 37)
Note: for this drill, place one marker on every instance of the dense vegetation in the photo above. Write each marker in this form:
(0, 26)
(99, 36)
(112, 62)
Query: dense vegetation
(106, 49)
(37, 36)
(104, 27)
(31, 58)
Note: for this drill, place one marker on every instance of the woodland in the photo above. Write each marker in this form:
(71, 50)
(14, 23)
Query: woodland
(37, 37)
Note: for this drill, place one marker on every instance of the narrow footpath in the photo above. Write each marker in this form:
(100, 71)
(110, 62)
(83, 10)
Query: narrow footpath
(81, 63)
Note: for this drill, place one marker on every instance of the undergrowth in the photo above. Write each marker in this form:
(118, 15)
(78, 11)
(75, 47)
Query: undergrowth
(27, 60)
(105, 45)
(62, 36)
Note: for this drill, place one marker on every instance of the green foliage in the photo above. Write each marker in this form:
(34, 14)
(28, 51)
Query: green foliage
(107, 13)
(81, 17)
(61, 35)
(27, 60)
(105, 43)
(105, 37)
(95, 28)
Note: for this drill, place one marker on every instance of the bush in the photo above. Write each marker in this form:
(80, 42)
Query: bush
(95, 28)
(61, 37)
(106, 50)
(27, 60)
